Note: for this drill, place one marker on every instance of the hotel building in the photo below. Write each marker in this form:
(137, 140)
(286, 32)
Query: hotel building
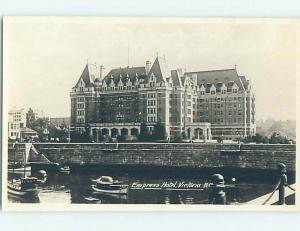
(204, 105)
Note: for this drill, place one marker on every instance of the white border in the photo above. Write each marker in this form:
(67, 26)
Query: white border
(127, 207)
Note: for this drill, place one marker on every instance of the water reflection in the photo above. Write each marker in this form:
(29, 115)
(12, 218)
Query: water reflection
(76, 188)
(17, 199)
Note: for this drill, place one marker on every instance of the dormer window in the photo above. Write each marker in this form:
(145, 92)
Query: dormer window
(213, 90)
(202, 92)
(152, 81)
(223, 91)
(235, 89)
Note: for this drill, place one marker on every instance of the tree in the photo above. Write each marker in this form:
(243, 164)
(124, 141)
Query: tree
(144, 135)
(184, 135)
(30, 118)
(84, 137)
(257, 138)
(220, 139)
(39, 125)
(178, 138)
(276, 138)
(159, 132)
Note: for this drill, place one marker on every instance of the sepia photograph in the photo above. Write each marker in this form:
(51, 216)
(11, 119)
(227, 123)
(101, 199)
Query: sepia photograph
(137, 113)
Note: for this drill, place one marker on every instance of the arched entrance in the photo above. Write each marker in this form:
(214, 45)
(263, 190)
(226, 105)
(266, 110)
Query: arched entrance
(105, 132)
(114, 132)
(134, 132)
(198, 133)
(124, 132)
(189, 133)
(96, 133)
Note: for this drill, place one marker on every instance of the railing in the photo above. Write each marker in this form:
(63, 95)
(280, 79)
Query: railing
(218, 195)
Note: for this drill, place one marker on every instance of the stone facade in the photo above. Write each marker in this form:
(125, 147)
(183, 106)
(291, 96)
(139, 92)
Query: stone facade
(196, 155)
(204, 105)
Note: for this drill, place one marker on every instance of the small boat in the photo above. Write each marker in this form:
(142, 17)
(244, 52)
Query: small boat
(65, 169)
(20, 170)
(106, 185)
(92, 200)
(24, 187)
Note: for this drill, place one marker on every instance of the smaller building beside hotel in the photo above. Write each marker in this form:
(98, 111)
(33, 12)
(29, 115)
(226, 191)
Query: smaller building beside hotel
(16, 121)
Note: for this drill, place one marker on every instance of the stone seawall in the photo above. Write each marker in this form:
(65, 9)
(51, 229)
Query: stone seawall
(195, 155)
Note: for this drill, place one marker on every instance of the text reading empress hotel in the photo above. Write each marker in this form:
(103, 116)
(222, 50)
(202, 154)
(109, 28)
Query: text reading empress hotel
(203, 104)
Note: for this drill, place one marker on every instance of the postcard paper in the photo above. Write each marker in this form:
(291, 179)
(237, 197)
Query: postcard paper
(120, 113)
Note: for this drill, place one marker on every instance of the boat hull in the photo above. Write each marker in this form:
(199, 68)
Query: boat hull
(22, 193)
(110, 191)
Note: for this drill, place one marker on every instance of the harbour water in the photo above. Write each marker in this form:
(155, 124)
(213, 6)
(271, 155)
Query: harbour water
(76, 188)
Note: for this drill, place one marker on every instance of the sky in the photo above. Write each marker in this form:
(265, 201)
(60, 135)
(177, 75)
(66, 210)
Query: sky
(44, 57)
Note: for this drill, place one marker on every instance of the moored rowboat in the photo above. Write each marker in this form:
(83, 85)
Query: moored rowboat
(106, 184)
(24, 187)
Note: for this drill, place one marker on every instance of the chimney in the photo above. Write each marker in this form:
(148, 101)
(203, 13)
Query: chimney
(148, 66)
(101, 72)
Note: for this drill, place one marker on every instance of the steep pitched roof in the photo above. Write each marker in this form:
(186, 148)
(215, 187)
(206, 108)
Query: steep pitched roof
(175, 75)
(160, 69)
(128, 72)
(227, 76)
(89, 74)
(244, 81)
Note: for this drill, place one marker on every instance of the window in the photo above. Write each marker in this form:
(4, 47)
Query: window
(234, 91)
(80, 112)
(80, 120)
(212, 92)
(80, 105)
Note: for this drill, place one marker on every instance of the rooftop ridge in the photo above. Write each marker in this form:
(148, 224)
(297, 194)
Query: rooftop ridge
(229, 69)
(127, 68)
